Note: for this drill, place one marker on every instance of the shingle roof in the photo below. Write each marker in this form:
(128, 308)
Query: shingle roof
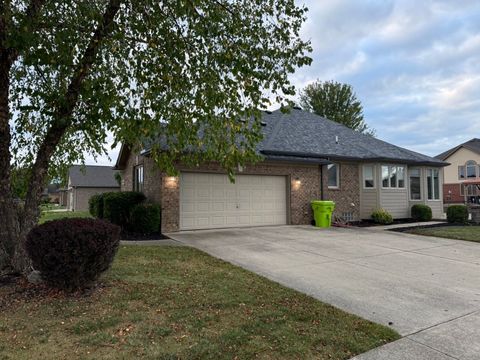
(301, 133)
(92, 176)
(473, 145)
(301, 136)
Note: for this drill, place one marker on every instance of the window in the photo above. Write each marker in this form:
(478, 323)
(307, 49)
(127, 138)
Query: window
(368, 176)
(461, 172)
(415, 189)
(433, 184)
(471, 190)
(393, 176)
(138, 178)
(471, 169)
(333, 175)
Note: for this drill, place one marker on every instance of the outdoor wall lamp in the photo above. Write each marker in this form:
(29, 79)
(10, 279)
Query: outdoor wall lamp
(297, 183)
(171, 181)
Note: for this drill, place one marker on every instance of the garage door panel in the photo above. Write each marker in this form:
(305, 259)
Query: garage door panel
(212, 201)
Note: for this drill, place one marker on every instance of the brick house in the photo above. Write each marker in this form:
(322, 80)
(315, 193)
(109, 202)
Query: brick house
(306, 157)
(464, 167)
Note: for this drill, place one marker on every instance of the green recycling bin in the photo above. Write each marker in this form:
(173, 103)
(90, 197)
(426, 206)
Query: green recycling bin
(322, 212)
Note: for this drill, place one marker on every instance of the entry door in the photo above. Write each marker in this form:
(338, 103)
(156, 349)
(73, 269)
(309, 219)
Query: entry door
(209, 201)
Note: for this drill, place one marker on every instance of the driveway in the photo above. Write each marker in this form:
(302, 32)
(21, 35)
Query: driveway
(428, 289)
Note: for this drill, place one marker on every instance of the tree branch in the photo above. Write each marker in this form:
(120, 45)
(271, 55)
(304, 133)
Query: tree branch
(64, 112)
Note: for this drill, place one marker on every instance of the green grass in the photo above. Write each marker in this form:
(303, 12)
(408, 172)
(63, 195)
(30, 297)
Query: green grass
(54, 215)
(466, 232)
(177, 302)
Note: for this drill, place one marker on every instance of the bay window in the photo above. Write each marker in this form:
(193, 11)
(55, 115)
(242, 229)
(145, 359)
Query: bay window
(415, 184)
(393, 176)
(368, 176)
(433, 184)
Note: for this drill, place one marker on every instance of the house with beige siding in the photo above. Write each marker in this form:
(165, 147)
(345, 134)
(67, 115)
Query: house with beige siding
(305, 157)
(84, 181)
(464, 168)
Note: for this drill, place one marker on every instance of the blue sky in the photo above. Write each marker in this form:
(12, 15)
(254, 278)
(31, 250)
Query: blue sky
(415, 66)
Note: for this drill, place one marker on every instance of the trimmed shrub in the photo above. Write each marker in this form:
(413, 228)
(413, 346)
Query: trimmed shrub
(95, 206)
(382, 216)
(145, 218)
(72, 253)
(117, 206)
(421, 212)
(457, 214)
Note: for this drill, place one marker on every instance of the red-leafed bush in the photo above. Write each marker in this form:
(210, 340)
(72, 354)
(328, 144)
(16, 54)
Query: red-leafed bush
(72, 253)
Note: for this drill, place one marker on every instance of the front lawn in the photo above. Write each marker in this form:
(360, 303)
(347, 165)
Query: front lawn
(54, 215)
(469, 233)
(177, 302)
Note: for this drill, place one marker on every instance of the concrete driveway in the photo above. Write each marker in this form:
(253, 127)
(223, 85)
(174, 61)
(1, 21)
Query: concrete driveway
(428, 289)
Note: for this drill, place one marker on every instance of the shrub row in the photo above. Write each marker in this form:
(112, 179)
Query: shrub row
(421, 212)
(382, 216)
(457, 214)
(127, 210)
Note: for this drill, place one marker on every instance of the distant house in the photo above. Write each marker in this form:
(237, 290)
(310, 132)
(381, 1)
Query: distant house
(86, 181)
(462, 176)
(52, 193)
(306, 157)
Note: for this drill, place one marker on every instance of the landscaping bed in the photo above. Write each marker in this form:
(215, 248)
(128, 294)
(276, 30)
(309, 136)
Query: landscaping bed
(169, 302)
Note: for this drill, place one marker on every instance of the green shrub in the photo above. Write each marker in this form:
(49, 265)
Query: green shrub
(145, 218)
(382, 216)
(457, 214)
(118, 205)
(95, 206)
(421, 212)
(72, 253)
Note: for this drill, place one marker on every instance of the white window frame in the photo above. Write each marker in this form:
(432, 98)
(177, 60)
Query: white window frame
(470, 164)
(410, 187)
(337, 175)
(429, 171)
(390, 167)
(373, 177)
(136, 184)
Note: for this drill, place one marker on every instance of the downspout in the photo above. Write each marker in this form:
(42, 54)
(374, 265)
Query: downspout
(322, 196)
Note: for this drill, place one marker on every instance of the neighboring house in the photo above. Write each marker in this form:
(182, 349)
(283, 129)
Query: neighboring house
(306, 157)
(51, 193)
(464, 168)
(86, 181)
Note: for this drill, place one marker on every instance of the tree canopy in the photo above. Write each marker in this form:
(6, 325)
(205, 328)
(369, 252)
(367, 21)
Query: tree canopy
(335, 101)
(73, 73)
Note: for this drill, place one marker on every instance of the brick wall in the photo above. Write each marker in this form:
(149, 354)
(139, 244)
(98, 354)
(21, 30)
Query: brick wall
(347, 196)
(451, 194)
(166, 191)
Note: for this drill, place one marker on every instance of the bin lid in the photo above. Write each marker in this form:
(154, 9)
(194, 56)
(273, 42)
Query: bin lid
(323, 202)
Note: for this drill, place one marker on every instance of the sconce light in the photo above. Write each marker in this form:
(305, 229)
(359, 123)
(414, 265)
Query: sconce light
(171, 181)
(297, 183)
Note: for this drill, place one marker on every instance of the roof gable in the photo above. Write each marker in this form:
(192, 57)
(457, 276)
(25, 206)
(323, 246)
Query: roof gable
(472, 145)
(92, 176)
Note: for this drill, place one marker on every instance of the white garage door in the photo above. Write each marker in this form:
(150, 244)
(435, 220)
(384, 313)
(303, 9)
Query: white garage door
(210, 201)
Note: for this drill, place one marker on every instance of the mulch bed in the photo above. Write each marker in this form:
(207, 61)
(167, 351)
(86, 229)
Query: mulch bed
(445, 224)
(15, 289)
(370, 223)
(130, 236)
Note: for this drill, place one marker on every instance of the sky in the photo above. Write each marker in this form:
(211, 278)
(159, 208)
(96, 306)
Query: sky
(414, 65)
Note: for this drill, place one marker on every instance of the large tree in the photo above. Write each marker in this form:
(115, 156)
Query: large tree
(337, 102)
(73, 72)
